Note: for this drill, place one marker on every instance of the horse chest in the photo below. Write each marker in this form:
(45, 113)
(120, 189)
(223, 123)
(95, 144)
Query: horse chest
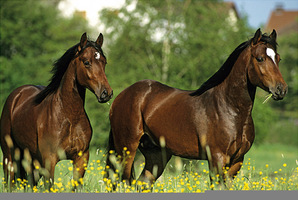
(77, 138)
(71, 136)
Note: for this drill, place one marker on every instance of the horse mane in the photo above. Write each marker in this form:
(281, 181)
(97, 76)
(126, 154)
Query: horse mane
(226, 68)
(60, 67)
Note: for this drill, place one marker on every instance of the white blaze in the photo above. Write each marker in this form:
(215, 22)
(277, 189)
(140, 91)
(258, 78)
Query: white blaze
(270, 52)
(97, 55)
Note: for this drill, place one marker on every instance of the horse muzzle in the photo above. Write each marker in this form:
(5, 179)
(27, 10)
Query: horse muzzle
(279, 92)
(105, 96)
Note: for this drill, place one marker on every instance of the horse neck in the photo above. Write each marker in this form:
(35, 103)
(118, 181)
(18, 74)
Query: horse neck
(71, 94)
(236, 88)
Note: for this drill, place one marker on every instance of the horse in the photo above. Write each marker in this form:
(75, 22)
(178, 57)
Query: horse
(212, 123)
(42, 125)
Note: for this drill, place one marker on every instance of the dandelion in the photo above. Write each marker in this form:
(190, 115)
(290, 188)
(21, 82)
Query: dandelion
(59, 185)
(284, 165)
(246, 186)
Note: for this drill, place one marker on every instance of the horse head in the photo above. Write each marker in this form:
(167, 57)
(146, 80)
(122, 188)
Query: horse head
(90, 71)
(263, 70)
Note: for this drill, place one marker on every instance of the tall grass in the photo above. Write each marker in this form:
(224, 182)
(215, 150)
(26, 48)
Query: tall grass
(181, 175)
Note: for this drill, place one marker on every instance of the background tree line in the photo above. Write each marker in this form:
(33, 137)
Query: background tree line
(180, 43)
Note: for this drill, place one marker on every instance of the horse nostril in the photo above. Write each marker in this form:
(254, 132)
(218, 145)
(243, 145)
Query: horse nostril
(104, 94)
(281, 91)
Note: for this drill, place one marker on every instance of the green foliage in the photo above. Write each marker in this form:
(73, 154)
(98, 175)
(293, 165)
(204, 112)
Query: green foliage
(288, 50)
(180, 43)
(264, 117)
(33, 35)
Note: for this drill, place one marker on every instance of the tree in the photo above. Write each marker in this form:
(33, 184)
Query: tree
(288, 50)
(32, 36)
(180, 43)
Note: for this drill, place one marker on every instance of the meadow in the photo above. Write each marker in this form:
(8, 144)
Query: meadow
(266, 167)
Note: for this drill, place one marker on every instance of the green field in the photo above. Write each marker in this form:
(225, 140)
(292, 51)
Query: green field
(266, 167)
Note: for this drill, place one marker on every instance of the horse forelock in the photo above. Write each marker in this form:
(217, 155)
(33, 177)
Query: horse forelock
(95, 46)
(268, 40)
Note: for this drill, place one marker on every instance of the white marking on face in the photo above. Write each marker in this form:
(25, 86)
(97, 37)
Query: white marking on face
(97, 55)
(270, 52)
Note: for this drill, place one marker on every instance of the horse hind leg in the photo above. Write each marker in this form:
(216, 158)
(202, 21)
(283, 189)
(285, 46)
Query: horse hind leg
(7, 147)
(123, 166)
(7, 144)
(156, 159)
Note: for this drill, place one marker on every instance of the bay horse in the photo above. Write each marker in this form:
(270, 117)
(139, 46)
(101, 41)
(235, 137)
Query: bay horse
(40, 123)
(212, 123)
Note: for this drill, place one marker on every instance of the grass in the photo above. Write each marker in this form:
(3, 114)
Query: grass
(266, 167)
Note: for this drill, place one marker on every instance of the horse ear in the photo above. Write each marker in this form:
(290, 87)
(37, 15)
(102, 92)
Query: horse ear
(83, 41)
(257, 37)
(99, 40)
(273, 35)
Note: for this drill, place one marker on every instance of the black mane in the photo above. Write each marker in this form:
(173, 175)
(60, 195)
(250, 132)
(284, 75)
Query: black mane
(226, 68)
(60, 67)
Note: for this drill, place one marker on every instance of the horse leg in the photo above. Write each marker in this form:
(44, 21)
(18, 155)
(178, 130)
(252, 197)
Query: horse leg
(7, 147)
(127, 160)
(48, 163)
(79, 165)
(156, 160)
(224, 169)
(124, 140)
(9, 174)
(126, 148)
(217, 163)
(233, 171)
(18, 159)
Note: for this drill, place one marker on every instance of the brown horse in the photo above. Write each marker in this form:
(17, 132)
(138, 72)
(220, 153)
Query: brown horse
(42, 125)
(213, 123)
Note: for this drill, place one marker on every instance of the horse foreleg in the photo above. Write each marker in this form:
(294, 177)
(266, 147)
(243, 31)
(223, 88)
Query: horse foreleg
(223, 171)
(217, 164)
(232, 171)
(49, 163)
(79, 167)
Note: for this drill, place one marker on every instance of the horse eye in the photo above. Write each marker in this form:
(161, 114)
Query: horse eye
(260, 59)
(87, 63)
